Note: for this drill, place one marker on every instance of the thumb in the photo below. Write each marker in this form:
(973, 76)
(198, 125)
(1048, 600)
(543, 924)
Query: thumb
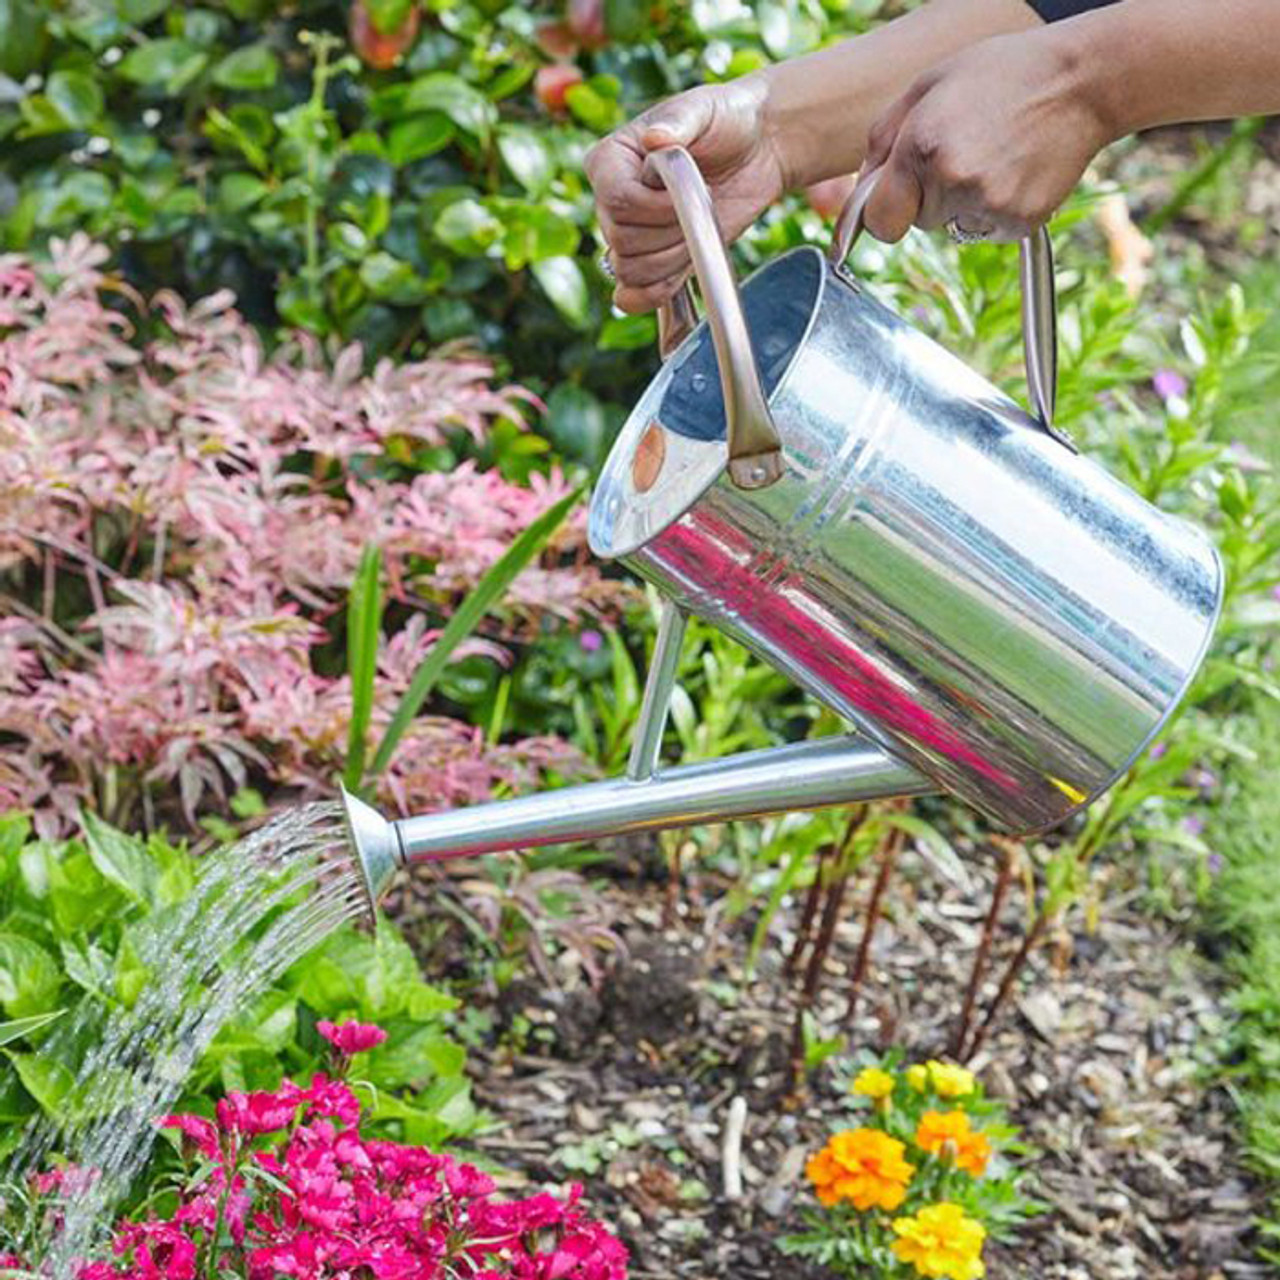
(679, 122)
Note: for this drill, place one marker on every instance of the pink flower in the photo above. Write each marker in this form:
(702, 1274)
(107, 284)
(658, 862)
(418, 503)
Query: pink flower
(255, 1113)
(351, 1037)
(202, 1133)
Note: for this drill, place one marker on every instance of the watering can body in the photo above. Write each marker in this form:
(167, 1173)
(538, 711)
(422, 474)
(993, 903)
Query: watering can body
(997, 617)
(995, 610)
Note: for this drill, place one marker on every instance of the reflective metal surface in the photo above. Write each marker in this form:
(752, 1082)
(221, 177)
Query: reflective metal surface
(809, 775)
(1001, 614)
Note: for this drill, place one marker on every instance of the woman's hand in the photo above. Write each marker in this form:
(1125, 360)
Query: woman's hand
(724, 128)
(995, 138)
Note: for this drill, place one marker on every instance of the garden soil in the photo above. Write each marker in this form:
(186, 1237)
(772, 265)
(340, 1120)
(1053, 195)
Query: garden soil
(1103, 1057)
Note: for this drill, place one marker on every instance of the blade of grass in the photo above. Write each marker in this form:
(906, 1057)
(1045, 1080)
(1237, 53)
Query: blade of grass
(19, 1027)
(364, 625)
(483, 596)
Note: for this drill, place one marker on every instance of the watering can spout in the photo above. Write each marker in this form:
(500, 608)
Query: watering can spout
(753, 784)
(375, 843)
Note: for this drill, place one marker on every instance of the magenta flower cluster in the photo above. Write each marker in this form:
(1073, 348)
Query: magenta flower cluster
(290, 1188)
(180, 518)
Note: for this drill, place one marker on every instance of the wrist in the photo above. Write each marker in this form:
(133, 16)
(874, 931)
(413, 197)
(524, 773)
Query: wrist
(1091, 73)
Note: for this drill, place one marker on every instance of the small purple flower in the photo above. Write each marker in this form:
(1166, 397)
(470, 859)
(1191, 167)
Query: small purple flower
(1214, 863)
(1169, 384)
(591, 641)
(1158, 750)
(1193, 824)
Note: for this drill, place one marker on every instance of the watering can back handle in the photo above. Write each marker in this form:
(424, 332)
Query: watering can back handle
(677, 319)
(755, 449)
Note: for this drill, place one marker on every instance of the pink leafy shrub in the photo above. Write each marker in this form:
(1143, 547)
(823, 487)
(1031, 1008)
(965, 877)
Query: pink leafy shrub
(179, 523)
(285, 1185)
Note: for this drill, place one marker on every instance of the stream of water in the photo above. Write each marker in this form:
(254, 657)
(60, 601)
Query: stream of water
(259, 905)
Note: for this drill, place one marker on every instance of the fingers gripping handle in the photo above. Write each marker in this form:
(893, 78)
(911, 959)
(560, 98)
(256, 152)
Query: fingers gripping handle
(755, 451)
(1039, 306)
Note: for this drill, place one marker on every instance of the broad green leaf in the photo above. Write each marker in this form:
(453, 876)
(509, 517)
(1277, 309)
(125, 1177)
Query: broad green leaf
(419, 136)
(562, 281)
(137, 13)
(532, 232)
(47, 1080)
(29, 976)
(76, 96)
(576, 423)
(131, 975)
(593, 108)
(239, 191)
(481, 599)
(466, 106)
(628, 333)
(14, 830)
(625, 20)
(528, 157)
(364, 627)
(426, 1002)
(88, 966)
(413, 1057)
(120, 858)
(253, 67)
(19, 1027)
(467, 227)
(23, 36)
(389, 15)
(170, 64)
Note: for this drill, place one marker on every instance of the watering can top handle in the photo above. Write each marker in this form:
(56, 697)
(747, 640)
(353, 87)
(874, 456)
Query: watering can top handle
(755, 449)
(755, 457)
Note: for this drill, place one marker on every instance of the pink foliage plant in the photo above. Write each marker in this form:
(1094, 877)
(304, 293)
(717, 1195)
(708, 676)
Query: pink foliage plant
(283, 1184)
(179, 522)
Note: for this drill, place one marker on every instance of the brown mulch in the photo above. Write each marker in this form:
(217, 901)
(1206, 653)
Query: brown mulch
(1101, 1057)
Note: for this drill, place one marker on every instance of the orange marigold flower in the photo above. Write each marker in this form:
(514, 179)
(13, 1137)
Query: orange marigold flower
(941, 1242)
(947, 1134)
(864, 1166)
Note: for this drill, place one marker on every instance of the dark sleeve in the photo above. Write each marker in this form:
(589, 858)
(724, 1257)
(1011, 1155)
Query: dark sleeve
(1055, 10)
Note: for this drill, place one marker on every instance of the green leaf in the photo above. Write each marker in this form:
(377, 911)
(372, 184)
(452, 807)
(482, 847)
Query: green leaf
(628, 333)
(120, 858)
(47, 1080)
(465, 105)
(364, 626)
(76, 96)
(596, 110)
(481, 599)
(467, 227)
(253, 67)
(29, 976)
(418, 137)
(137, 13)
(169, 64)
(19, 1027)
(532, 232)
(563, 282)
(388, 16)
(576, 423)
(239, 191)
(528, 157)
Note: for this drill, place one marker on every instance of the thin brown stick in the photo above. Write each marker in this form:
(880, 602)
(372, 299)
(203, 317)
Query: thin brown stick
(813, 973)
(979, 971)
(1033, 936)
(889, 852)
(671, 898)
(805, 927)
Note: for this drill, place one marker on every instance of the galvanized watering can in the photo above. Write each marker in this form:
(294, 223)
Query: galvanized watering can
(998, 617)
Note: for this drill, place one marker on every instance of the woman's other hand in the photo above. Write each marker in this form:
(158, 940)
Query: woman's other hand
(995, 138)
(726, 130)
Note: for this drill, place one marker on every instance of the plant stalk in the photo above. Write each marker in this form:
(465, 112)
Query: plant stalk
(979, 971)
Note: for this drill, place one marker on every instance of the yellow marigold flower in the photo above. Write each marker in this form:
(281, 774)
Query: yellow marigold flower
(941, 1242)
(918, 1077)
(865, 1167)
(949, 1081)
(947, 1134)
(873, 1083)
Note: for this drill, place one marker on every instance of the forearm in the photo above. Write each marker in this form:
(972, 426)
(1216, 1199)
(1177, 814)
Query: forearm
(1145, 63)
(820, 108)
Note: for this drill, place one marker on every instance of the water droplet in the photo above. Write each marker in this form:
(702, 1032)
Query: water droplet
(698, 382)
